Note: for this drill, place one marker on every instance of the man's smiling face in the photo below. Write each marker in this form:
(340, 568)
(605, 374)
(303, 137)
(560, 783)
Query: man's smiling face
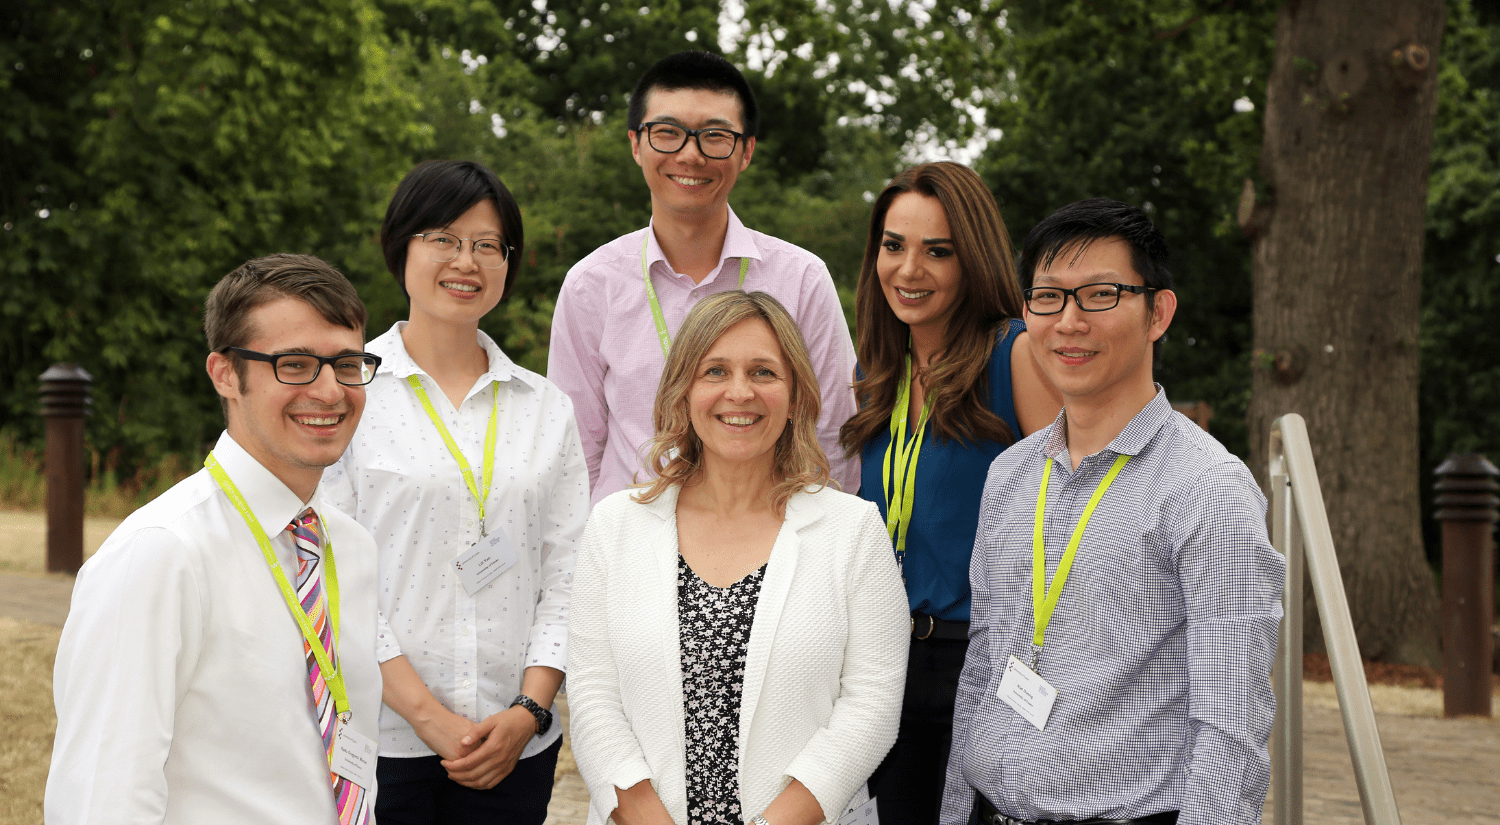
(292, 430)
(685, 182)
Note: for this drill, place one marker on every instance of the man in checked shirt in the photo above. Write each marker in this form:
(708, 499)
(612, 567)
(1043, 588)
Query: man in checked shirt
(1126, 598)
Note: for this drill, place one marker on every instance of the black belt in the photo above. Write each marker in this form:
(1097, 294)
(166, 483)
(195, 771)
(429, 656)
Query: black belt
(924, 626)
(986, 813)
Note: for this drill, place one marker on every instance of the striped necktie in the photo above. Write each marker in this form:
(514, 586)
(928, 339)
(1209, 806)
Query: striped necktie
(352, 801)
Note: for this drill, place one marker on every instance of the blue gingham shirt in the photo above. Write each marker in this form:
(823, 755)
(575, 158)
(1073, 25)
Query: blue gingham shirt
(1160, 647)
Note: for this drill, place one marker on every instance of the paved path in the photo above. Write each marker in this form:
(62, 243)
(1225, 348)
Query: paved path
(1442, 770)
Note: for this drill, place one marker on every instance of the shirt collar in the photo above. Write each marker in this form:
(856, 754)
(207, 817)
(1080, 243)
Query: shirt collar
(272, 502)
(1130, 441)
(738, 243)
(396, 361)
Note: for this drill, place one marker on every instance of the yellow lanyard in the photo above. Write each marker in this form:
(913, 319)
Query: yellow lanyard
(898, 471)
(333, 677)
(1043, 597)
(661, 322)
(463, 465)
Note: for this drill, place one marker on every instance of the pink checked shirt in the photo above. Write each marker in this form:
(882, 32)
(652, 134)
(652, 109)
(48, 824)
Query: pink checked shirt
(605, 354)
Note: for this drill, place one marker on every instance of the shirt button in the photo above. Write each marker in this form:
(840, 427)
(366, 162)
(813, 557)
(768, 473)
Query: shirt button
(466, 683)
(468, 631)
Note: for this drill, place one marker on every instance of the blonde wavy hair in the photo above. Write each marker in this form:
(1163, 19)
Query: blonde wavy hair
(675, 454)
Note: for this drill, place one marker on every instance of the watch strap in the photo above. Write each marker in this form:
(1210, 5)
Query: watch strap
(542, 715)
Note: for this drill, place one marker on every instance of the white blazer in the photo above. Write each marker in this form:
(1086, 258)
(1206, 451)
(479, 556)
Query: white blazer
(824, 669)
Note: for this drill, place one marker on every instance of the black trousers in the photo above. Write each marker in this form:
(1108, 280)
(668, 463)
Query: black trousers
(417, 791)
(908, 785)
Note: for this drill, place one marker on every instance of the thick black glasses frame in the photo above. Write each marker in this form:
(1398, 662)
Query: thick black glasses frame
(695, 134)
(1131, 288)
(273, 360)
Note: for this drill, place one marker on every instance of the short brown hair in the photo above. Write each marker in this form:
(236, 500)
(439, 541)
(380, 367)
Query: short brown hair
(676, 453)
(226, 314)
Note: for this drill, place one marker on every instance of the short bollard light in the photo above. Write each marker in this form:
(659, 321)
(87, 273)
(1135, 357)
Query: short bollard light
(1466, 505)
(65, 404)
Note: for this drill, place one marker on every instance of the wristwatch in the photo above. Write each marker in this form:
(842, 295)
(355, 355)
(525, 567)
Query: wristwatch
(543, 716)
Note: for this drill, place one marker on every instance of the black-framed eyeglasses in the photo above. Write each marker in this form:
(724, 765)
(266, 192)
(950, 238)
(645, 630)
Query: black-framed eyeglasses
(1050, 300)
(714, 142)
(441, 247)
(353, 369)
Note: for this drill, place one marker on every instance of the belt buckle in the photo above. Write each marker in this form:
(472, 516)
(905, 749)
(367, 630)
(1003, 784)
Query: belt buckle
(931, 626)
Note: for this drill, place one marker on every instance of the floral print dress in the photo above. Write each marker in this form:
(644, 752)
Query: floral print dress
(714, 625)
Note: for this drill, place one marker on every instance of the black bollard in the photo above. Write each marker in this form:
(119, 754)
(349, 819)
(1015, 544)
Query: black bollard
(1466, 507)
(65, 403)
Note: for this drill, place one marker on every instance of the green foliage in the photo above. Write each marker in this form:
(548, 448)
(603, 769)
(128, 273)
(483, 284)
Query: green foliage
(1138, 104)
(109, 491)
(198, 135)
(1460, 403)
(150, 147)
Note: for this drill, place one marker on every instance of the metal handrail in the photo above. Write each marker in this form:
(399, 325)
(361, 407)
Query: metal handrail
(1299, 521)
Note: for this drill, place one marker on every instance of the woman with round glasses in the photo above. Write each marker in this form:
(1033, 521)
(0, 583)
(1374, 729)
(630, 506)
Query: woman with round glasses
(469, 472)
(945, 383)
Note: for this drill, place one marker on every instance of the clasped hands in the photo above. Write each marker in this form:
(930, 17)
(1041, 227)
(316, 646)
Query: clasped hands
(478, 755)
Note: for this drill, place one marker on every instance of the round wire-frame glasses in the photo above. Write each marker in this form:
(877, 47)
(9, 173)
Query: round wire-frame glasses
(442, 247)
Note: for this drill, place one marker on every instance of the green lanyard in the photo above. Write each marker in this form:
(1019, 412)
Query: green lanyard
(1044, 598)
(661, 322)
(901, 463)
(331, 675)
(463, 465)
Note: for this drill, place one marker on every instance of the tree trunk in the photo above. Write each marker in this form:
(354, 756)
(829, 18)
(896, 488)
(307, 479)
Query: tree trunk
(1337, 271)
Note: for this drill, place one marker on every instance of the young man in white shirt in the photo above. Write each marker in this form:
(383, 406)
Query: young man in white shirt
(187, 688)
(693, 121)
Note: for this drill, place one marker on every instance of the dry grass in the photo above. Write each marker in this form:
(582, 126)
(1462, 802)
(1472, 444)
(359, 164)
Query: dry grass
(26, 718)
(112, 491)
(23, 540)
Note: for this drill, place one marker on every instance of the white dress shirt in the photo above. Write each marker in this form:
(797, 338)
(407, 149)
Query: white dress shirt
(400, 481)
(824, 669)
(181, 684)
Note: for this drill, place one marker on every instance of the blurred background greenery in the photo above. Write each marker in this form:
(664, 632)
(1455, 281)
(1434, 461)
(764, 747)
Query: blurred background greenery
(149, 147)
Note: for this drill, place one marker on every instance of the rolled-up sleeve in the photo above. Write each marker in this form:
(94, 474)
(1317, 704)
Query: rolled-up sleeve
(563, 518)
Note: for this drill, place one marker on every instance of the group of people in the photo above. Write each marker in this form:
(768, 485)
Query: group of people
(789, 579)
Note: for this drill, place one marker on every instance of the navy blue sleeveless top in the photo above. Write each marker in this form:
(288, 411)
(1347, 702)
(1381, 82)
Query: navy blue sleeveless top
(945, 507)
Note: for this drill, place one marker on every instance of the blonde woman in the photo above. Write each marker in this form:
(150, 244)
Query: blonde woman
(737, 634)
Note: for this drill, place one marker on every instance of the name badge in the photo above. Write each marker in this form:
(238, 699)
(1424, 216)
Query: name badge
(353, 756)
(488, 558)
(1028, 693)
(861, 809)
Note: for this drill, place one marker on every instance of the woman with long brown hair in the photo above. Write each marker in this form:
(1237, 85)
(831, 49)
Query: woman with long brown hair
(944, 387)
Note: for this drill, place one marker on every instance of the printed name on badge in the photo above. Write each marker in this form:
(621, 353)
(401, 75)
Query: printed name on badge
(353, 756)
(861, 809)
(488, 558)
(1028, 693)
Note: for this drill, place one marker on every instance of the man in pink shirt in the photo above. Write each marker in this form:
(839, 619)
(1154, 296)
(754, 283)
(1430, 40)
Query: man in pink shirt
(693, 121)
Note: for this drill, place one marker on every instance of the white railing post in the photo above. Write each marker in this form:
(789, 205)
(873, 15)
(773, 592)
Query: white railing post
(1286, 734)
(1299, 527)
